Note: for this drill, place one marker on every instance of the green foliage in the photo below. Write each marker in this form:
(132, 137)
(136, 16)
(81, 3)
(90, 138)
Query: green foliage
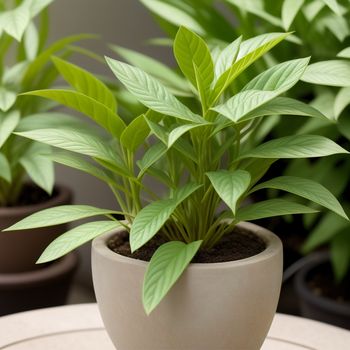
(22, 45)
(202, 152)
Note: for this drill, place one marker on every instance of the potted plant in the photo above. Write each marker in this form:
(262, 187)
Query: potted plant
(194, 296)
(27, 174)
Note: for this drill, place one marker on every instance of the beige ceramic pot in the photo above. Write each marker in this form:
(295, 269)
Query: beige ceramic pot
(219, 306)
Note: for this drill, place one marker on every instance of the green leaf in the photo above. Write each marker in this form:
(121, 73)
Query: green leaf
(166, 266)
(227, 57)
(250, 51)
(135, 133)
(175, 83)
(344, 53)
(333, 5)
(191, 51)
(280, 77)
(176, 133)
(312, 9)
(285, 106)
(76, 162)
(74, 141)
(75, 238)
(296, 146)
(153, 154)
(36, 6)
(86, 105)
(39, 166)
(340, 254)
(305, 188)
(240, 105)
(58, 215)
(174, 15)
(150, 92)
(230, 186)
(257, 168)
(330, 73)
(86, 83)
(327, 228)
(31, 42)
(151, 218)
(270, 208)
(290, 9)
(5, 167)
(8, 123)
(7, 99)
(342, 100)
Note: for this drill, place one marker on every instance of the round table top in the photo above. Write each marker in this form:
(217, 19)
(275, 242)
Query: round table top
(80, 327)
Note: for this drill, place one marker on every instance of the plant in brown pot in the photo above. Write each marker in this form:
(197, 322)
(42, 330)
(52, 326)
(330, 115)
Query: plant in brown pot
(185, 270)
(26, 173)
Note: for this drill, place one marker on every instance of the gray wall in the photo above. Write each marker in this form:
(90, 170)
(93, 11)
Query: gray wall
(122, 22)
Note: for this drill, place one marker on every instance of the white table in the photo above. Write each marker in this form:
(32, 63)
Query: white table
(79, 327)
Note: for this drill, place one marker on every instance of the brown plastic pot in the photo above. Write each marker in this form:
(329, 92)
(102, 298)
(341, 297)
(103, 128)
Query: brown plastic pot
(19, 250)
(217, 306)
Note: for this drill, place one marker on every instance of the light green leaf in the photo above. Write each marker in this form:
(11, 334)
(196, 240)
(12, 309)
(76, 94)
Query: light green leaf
(173, 81)
(176, 133)
(173, 14)
(230, 186)
(257, 168)
(150, 92)
(59, 215)
(333, 5)
(5, 167)
(86, 105)
(280, 77)
(166, 266)
(153, 154)
(340, 254)
(290, 9)
(191, 51)
(250, 51)
(342, 100)
(337, 25)
(243, 103)
(8, 123)
(74, 161)
(312, 9)
(270, 208)
(296, 146)
(13, 75)
(36, 6)
(86, 83)
(344, 53)
(330, 73)
(305, 188)
(135, 133)
(7, 99)
(285, 106)
(74, 141)
(75, 238)
(31, 41)
(39, 166)
(151, 218)
(327, 228)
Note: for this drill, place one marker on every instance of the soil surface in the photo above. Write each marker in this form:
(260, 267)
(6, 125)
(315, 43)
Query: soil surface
(31, 195)
(239, 244)
(321, 282)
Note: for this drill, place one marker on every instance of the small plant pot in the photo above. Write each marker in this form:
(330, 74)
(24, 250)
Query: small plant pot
(19, 250)
(315, 306)
(45, 287)
(217, 306)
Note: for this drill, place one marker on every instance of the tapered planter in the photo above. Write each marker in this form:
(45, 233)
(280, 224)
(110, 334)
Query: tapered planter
(316, 306)
(23, 284)
(217, 306)
(19, 250)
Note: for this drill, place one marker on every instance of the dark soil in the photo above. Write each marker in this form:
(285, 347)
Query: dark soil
(239, 244)
(31, 195)
(321, 282)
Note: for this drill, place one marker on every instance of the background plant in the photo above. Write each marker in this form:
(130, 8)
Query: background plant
(202, 155)
(25, 65)
(321, 29)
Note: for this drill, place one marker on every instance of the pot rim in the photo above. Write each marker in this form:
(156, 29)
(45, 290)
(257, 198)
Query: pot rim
(50, 272)
(273, 246)
(64, 195)
(319, 301)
